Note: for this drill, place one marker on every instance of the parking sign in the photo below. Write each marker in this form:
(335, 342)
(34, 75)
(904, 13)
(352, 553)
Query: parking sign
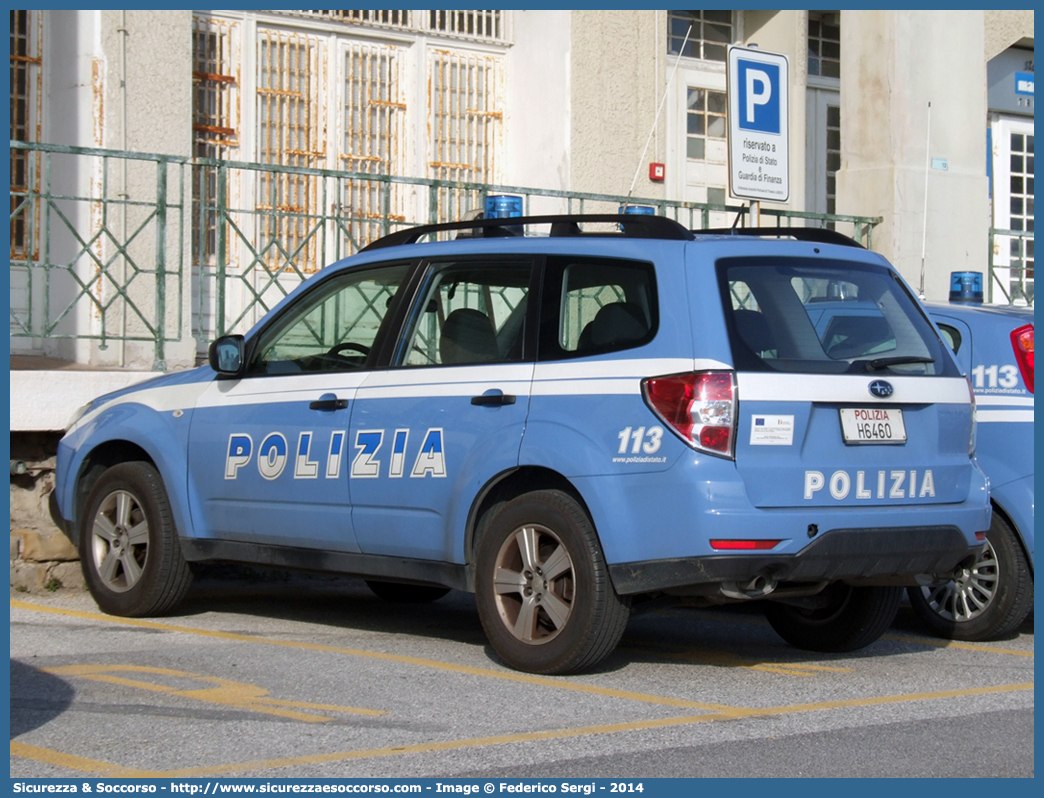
(759, 140)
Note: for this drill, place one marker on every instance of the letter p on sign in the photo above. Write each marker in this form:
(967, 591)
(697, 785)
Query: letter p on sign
(759, 96)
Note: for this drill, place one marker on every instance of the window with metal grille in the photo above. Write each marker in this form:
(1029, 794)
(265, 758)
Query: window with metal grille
(374, 137)
(824, 43)
(473, 24)
(26, 94)
(291, 132)
(833, 156)
(1021, 199)
(712, 32)
(392, 17)
(465, 117)
(484, 24)
(215, 119)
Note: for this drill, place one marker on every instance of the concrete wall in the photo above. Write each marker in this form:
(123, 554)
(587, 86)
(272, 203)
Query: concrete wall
(72, 112)
(1007, 28)
(83, 105)
(893, 63)
(159, 81)
(155, 54)
(536, 132)
(614, 95)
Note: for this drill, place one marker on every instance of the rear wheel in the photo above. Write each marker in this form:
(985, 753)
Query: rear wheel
(987, 601)
(401, 593)
(845, 619)
(129, 547)
(543, 589)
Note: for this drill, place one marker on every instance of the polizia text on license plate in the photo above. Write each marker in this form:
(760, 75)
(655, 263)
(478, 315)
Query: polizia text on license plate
(872, 425)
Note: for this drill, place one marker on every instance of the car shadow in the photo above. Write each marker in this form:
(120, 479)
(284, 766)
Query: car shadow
(731, 636)
(36, 698)
(339, 602)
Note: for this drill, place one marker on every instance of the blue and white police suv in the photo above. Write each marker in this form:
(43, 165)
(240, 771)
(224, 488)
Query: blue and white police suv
(990, 598)
(566, 425)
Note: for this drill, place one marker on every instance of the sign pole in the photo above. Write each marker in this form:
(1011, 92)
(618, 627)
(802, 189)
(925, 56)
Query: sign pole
(755, 213)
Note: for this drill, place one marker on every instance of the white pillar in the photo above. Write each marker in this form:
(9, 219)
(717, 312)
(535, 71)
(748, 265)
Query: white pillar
(893, 63)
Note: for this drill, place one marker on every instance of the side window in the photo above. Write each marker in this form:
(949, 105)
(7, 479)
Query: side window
(333, 327)
(951, 335)
(472, 312)
(596, 305)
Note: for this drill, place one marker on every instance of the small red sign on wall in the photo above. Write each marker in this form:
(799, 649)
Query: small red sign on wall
(656, 171)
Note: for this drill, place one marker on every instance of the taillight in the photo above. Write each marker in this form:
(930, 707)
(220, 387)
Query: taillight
(700, 407)
(1022, 343)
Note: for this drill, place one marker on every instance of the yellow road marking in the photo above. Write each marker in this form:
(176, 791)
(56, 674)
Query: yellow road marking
(94, 766)
(937, 643)
(510, 676)
(227, 692)
(724, 659)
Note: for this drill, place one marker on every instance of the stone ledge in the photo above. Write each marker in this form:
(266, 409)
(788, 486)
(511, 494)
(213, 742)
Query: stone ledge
(38, 577)
(42, 547)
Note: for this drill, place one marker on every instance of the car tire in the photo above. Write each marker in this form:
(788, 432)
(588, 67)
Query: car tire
(129, 548)
(985, 602)
(543, 590)
(402, 593)
(850, 618)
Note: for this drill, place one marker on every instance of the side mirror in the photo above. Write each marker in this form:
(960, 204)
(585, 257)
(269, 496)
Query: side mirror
(226, 355)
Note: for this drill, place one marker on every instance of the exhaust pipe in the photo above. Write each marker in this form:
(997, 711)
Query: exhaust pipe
(758, 587)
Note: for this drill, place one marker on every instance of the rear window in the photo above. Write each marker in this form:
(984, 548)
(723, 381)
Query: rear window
(826, 317)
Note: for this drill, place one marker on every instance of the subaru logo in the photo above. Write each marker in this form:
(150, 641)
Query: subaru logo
(881, 389)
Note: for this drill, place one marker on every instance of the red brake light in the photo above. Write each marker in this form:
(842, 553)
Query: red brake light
(700, 407)
(1022, 343)
(744, 544)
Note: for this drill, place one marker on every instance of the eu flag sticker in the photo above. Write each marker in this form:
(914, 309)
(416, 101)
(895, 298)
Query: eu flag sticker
(772, 431)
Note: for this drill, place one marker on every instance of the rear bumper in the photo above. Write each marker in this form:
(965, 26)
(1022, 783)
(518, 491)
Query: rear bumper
(886, 554)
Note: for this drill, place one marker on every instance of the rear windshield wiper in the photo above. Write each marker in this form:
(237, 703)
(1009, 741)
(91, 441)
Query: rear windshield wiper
(885, 362)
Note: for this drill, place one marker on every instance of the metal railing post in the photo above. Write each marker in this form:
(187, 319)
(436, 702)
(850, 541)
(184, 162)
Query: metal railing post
(989, 260)
(222, 249)
(161, 265)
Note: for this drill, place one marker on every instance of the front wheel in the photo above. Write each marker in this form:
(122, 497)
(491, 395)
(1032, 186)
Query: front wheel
(844, 619)
(986, 601)
(544, 595)
(129, 547)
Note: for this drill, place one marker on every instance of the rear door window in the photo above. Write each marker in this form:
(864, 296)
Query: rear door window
(826, 317)
(596, 305)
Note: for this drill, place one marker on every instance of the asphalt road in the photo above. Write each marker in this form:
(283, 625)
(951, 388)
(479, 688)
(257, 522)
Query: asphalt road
(318, 678)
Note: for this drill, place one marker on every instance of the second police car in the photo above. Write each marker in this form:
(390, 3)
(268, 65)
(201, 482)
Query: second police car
(566, 425)
(994, 346)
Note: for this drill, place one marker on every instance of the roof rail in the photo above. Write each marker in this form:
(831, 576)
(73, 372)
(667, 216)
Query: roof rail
(633, 226)
(820, 235)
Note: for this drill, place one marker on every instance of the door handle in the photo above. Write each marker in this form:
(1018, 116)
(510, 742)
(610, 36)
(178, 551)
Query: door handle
(494, 398)
(331, 403)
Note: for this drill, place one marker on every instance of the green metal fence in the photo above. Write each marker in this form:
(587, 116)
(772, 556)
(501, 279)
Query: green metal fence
(141, 247)
(1010, 267)
(88, 260)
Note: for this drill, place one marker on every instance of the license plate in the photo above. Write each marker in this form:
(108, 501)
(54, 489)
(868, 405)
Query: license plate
(872, 425)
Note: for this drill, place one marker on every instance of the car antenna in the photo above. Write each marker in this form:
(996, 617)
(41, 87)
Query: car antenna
(666, 88)
(927, 169)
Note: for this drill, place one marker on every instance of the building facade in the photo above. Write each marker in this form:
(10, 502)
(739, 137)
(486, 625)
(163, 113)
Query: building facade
(891, 116)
